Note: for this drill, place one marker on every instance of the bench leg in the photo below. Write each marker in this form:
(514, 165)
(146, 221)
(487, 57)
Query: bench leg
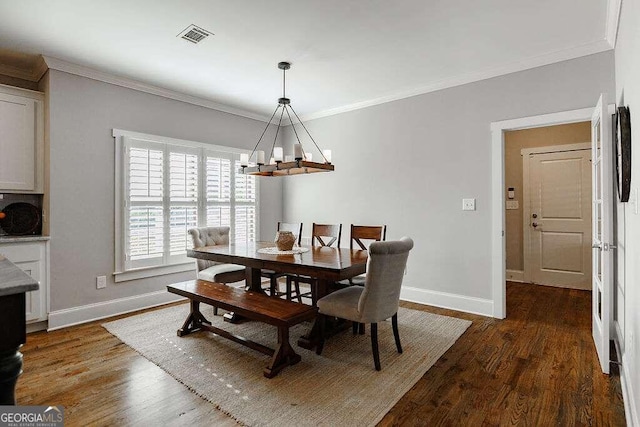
(283, 355)
(194, 321)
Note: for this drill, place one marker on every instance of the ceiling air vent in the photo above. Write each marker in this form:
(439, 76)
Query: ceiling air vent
(194, 34)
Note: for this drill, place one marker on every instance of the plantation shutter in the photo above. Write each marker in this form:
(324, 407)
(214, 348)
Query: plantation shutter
(183, 200)
(245, 209)
(170, 188)
(145, 206)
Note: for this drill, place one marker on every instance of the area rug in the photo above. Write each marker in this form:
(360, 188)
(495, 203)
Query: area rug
(339, 387)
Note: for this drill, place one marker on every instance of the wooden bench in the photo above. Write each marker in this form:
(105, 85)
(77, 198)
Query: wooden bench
(253, 305)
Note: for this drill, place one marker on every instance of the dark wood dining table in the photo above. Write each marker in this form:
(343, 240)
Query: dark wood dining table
(327, 265)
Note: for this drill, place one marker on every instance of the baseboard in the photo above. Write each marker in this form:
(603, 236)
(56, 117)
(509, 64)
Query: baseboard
(456, 302)
(515, 276)
(88, 313)
(628, 395)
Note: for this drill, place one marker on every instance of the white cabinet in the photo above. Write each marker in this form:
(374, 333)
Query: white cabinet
(32, 257)
(21, 140)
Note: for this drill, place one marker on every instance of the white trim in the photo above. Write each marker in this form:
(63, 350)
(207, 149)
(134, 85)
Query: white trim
(456, 302)
(514, 67)
(141, 273)
(515, 276)
(175, 141)
(80, 70)
(498, 250)
(628, 394)
(613, 19)
(88, 313)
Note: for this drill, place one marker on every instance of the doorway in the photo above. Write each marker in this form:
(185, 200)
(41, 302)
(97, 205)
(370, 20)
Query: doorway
(498, 225)
(548, 205)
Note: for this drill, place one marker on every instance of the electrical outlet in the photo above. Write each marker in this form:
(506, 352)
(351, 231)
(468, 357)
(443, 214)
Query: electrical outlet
(101, 282)
(468, 204)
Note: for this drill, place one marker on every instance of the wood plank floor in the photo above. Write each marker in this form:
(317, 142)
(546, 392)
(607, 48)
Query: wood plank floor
(538, 367)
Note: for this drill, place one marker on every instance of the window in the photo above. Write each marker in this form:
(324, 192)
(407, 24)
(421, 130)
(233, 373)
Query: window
(167, 186)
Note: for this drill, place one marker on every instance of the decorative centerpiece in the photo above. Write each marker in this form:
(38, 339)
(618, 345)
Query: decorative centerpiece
(285, 240)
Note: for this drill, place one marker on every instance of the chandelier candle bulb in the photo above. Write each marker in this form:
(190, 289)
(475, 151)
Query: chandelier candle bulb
(327, 155)
(277, 154)
(272, 161)
(244, 160)
(297, 151)
(260, 156)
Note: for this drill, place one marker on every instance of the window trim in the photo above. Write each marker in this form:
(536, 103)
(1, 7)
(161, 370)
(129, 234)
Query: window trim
(120, 272)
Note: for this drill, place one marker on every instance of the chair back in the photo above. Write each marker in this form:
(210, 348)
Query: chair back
(385, 271)
(295, 228)
(326, 234)
(361, 235)
(208, 236)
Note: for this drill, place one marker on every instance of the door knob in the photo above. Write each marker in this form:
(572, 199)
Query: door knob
(535, 225)
(535, 215)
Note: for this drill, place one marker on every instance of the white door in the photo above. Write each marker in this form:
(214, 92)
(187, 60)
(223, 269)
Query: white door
(602, 282)
(558, 223)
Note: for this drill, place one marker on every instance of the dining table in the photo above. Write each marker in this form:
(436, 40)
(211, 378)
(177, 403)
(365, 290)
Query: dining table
(325, 264)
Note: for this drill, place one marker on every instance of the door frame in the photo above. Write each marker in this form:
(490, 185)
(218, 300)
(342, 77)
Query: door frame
(498, 246)
(526, 195)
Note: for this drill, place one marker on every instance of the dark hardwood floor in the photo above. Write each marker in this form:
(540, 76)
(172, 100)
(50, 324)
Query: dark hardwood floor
(537, 367)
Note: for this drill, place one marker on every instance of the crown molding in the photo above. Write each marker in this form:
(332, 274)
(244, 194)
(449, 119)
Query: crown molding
(29, 74)
(613, 19)
(514, 67)
(81, 70)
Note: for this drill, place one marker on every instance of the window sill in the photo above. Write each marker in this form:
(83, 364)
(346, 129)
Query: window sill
(142, 273)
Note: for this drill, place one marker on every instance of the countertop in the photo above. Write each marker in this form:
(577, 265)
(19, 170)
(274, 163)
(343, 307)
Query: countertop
(18, 239)
(13, 280)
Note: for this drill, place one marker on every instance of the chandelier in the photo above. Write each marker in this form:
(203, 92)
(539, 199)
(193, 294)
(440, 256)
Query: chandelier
(279, 165)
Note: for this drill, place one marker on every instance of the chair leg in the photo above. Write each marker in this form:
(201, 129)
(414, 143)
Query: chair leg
(361, 329)
(374, 346)
(215, 311)
(296, 282)
(273, 286)
(288, 290)
(321, 323)
(396, 334)
(355, 326)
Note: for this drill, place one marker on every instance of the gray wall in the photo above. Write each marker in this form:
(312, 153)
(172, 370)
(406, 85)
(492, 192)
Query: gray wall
(83, 114)
(409, 163)
(628, 262)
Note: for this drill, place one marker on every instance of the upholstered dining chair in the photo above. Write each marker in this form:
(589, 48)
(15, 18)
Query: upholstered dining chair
(210, 270)
(273, 276)
(321, 235)
(377, 300)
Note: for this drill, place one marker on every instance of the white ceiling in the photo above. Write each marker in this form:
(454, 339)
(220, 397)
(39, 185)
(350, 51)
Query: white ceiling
(345, 53)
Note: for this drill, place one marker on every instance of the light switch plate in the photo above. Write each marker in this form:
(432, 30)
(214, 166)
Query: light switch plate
(513, 204)
(468, 204)
(101, 282)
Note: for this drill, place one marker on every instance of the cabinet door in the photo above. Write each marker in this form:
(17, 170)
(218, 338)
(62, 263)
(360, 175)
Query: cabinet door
(17, 143)
(31, 258)
(34, 300)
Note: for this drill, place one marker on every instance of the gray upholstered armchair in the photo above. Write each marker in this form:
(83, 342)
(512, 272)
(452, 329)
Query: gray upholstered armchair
(210, 270)
(377, 300)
